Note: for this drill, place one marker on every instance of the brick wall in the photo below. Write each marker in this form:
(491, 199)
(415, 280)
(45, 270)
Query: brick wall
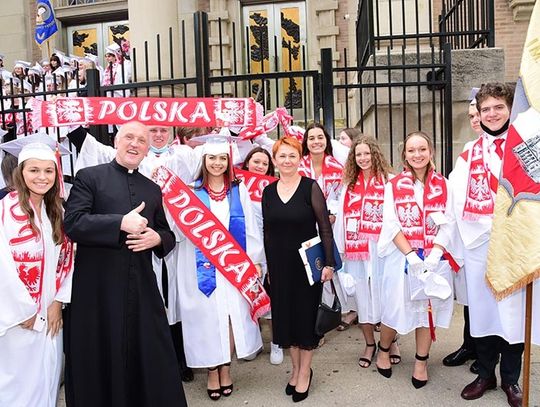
(509, 35)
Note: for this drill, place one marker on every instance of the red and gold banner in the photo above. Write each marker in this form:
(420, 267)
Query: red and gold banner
(190, 112)
(255, 183)
(206, 232)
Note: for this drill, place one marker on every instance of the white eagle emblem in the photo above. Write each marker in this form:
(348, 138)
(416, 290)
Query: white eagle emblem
(409, 215)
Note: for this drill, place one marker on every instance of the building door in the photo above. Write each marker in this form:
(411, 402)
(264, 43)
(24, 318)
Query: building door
(94, 38)
(276, 42)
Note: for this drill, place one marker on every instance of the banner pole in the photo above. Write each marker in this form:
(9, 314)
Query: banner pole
(527, 351)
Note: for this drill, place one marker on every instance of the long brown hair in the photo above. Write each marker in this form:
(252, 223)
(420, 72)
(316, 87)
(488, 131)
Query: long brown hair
(431, 147)
(379, 164)
(51, 199)
(305, 150)
(229, 179)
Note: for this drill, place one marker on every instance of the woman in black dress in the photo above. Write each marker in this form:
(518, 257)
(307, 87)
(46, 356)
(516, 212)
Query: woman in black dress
(292, 209)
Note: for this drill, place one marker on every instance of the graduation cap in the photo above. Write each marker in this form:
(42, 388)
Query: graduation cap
(22, 64)
(61, 71)
(45, 61)
(36, 69)
(92, 57)
(222, 143)
(42, 147)
(113, 49)
(2, 57)
(472, 95)
(39, 145)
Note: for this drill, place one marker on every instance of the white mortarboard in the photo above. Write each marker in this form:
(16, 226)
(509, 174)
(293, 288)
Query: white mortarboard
(27, 85)
(22, 64)
(38, 145)
(60, 55)
(45, 61)
(435, 285)
(2, 57)
(113, 48)
(92, 58)
(472, 95)
(36, 69)
(222, 143)
(61, 71)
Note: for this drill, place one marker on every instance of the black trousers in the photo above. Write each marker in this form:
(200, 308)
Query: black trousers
(488, 349)
(468, 341)
(176, 329)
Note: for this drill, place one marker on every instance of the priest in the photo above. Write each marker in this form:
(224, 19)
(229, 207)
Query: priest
(119, 351)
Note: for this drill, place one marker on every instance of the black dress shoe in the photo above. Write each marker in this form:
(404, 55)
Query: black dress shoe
(289, 389)
(297, 396)
(513, 394)
(459, 357)
(474, 367)
(478, 387)
(187, 375)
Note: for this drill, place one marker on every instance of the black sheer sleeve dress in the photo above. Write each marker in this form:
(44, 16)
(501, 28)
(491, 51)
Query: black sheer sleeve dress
(286, 226)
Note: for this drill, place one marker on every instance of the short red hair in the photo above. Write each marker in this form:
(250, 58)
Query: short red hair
(287, 141)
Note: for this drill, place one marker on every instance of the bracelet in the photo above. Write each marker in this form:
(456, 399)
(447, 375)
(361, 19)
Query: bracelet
(330, 267)
(412, 251)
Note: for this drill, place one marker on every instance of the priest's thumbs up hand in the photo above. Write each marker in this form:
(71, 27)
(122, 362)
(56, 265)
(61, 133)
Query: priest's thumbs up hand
(133, 222)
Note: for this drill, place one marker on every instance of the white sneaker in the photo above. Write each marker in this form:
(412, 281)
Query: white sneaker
(276, 354)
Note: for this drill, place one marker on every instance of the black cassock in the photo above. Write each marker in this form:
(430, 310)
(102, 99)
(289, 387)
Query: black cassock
(119, 350)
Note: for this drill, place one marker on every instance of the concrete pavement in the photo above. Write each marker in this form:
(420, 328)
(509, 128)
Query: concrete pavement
(339, 381)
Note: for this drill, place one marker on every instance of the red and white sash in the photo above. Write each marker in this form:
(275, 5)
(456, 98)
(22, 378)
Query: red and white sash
(332, 173)
(27, 248)
(206, 232)
(363, 215)
(481, 185)
(255, 183)
(419, 232)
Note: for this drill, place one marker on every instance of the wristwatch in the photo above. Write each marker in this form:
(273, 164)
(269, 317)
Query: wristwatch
(330, 267)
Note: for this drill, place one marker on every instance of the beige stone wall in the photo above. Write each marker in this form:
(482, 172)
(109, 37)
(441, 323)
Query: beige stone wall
(17, 22)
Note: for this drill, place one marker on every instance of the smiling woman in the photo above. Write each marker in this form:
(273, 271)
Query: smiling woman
(35, 270)
(216, 318)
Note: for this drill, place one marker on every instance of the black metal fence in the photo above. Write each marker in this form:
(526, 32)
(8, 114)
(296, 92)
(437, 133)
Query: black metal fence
(400, 83)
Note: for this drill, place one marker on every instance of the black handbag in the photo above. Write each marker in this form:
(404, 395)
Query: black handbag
(328, 318)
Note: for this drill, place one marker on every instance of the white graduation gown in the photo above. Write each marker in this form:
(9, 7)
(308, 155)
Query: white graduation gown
(205, 320)
(397, 309)
(366, 273)
(180, 159)
(487, 315)
(30, 361)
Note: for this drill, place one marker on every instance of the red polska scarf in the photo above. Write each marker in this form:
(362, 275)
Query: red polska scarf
(28, 247)
(419, 232)
(332, 172)
(217, 244)
(363, 215)
(481, 184)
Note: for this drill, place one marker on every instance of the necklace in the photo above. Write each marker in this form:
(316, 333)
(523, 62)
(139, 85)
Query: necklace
(217, 196)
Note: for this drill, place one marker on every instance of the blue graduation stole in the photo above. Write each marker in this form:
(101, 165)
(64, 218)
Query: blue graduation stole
(206, 271)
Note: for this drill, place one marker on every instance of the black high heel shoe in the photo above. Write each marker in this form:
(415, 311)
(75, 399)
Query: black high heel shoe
(296, 396)
(416, 382)
(226, 391)
(289, 389)
(214, 394)
(385, 372)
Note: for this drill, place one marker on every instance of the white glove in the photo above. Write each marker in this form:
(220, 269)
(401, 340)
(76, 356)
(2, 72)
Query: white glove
(432, 261)
(416, 264)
